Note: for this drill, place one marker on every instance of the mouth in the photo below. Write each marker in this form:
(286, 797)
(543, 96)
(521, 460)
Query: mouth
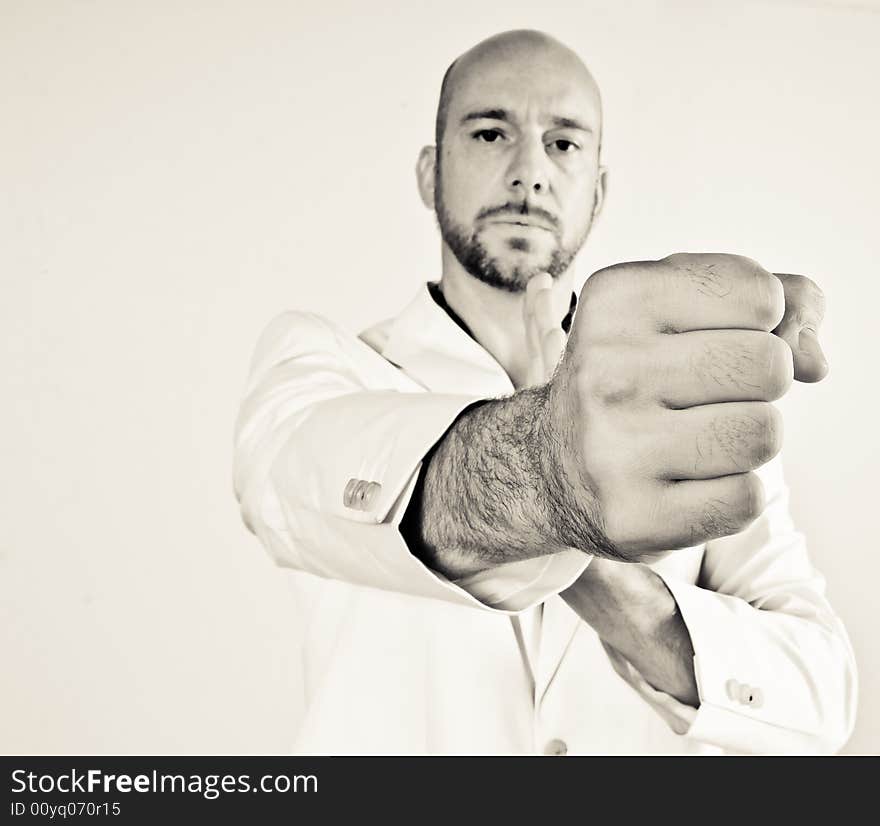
(525, 224)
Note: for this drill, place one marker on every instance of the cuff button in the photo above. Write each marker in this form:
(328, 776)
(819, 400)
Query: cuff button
(733, 689)
(359, 494)
(755, 697)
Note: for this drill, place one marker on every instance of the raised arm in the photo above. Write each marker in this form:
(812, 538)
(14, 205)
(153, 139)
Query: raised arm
(329, 440)
(644, 440)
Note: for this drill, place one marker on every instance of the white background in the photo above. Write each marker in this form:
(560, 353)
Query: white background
(173, 174)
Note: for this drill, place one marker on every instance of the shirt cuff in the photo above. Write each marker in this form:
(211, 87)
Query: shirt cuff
(677, 715)
(734, 711)
(518, 586)
(341, 486)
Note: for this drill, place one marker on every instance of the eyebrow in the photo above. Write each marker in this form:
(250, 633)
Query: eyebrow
(486, 114)
(501, 114)
(570, 123)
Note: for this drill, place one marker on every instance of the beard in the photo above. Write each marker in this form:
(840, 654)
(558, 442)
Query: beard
(473, 256)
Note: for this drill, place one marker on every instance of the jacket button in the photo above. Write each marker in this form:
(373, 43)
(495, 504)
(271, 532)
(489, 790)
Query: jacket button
(556, 748)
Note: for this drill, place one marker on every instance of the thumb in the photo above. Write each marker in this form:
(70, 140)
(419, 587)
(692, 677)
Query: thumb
(804, 311)
(810, 364)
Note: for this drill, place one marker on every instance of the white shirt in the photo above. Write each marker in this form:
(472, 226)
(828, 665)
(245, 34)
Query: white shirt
(398, 659)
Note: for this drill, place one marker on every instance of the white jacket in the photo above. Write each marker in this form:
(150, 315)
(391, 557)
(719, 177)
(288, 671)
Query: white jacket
(397, 659)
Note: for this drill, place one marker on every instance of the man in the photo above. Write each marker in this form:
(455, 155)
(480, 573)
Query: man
(519, 554)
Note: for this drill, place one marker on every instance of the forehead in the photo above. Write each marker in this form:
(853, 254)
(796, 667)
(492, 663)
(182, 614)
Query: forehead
(529, 86)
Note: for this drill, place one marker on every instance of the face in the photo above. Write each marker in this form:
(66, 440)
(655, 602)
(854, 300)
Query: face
(517, 176)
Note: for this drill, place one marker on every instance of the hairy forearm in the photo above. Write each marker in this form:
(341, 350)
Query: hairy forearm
(482, 499)
(632, 610)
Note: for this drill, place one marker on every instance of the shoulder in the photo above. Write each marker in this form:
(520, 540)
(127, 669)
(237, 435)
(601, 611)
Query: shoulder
(306, 337)
(299, 333)
(296, 330)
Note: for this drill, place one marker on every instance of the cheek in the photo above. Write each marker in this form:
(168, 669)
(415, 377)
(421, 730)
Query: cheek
(468, 201)
(457, 190)
(580, 210)
(472, 183)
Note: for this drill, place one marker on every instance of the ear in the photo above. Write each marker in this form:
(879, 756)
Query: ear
(601, 191)
(426, 167)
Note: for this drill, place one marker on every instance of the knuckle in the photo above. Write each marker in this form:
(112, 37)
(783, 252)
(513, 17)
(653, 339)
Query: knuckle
(592, 314)
(769, 298)
(748, 500)
(739, 506)
(741, 261)
(600, 282)
(612, 389)
(618, 280)
(768, 434)
(608, 375)
(718, 360)
(775, 430)
(708, 274)
(749, 438)
(802, 286)
(774, 305)
(816, 293)
(677, 260)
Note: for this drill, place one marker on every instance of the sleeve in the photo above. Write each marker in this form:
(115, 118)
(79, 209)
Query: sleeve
(329, 441)
(774, 667)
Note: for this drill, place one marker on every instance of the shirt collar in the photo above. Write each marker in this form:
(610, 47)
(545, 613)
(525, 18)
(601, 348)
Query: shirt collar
(436, 292)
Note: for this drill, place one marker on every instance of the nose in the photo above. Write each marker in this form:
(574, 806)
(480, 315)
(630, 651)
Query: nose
(527, 175)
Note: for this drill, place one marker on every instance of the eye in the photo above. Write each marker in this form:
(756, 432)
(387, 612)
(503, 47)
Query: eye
(487, 135)
(562, 145)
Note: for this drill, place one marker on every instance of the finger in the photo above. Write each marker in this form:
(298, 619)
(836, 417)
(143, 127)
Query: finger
(810, 364)
(532, 342)
(542, 309)
(542, 316)
(799, 328)
(541, 281)
(693, 512)
(714, 440)
(544, 346)
(552, 345)
(538, 284)
(707, 367)
(682, 293)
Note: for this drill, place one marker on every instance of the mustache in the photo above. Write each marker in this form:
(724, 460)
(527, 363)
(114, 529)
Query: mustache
(513, 209)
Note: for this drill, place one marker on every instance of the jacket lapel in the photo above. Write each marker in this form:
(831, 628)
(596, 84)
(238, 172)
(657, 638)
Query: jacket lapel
(432, 349)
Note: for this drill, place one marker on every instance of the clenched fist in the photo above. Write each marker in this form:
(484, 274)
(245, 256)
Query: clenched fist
(660, 409)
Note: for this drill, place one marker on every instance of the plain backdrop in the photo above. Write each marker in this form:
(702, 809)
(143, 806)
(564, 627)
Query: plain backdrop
(174, 174)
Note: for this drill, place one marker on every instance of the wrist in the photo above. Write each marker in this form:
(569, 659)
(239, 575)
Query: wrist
(623, 600)
(482, 503)
(574, 510)
(526, 434)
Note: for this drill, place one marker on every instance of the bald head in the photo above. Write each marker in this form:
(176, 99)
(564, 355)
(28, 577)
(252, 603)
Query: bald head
(518, 54)
(515, 178)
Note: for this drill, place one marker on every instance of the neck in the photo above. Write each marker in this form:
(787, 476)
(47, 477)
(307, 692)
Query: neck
(495, 316)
